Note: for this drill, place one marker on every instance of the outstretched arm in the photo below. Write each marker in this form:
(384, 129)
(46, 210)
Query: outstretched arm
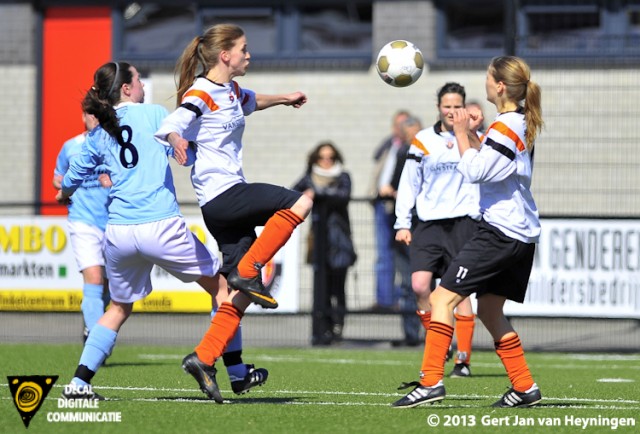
(295, 99)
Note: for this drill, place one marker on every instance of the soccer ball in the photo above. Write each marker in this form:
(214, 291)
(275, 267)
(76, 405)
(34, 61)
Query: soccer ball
(400, 63)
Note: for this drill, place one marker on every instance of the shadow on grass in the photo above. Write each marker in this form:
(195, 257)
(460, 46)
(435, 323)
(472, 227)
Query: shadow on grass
(560, 404)
(271, 400)
(126, 364)
(473, 375)
(230, 401)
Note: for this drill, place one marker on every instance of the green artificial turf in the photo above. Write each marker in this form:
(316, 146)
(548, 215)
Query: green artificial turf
(334, 390)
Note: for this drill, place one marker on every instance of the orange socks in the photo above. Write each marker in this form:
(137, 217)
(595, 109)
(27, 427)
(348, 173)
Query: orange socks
(275, 234)
(223, 326)
(510, 351)
(464, 336)
(425, 318)
(436, 347)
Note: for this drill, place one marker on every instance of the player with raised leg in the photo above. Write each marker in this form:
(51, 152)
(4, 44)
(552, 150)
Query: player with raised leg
(211, 114)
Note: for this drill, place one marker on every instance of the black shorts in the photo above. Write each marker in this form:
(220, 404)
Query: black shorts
(233, 216)
(435, 243)
(491, 262)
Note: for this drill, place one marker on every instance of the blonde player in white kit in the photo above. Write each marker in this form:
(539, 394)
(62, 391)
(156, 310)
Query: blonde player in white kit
(211, 113)
(145, 227)
(496, 262)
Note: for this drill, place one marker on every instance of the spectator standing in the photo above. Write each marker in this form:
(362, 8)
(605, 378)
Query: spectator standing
(331, 251)
(403, 291)
(385, 158)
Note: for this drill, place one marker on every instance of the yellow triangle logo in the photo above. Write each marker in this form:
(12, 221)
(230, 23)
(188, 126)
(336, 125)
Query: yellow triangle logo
(29, 392)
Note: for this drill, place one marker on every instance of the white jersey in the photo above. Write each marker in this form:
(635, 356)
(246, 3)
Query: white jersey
(431, 183)
(503, 168)
(212, 116)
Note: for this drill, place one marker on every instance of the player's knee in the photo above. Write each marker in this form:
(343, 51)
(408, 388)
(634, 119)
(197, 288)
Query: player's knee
(307, 203)
(421, 291)
(122, 310)
(93, 275)
(442, 298)
(303, 206)
(465, 307)
(421, 287)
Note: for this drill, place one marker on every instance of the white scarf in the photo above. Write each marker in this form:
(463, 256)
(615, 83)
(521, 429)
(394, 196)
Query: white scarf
(333, 171)
(325, 177)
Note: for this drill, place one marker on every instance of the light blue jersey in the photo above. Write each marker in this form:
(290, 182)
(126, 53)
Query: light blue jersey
(142, 188)
(89, 203)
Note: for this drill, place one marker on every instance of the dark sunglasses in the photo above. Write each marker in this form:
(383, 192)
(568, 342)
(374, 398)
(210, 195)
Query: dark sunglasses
(332, 158)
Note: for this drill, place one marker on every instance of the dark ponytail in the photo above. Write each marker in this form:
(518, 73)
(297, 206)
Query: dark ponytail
(105, 94)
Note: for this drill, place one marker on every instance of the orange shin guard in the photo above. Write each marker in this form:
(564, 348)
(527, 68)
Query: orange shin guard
(464, 335)
(436, 347)
(275, 234)
(511, 353)
(425, 319)
(223, 327)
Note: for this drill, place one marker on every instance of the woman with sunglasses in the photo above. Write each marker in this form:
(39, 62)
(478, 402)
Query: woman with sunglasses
(331, 253)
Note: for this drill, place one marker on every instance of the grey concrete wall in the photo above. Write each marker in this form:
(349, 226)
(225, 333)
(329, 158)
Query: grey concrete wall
(586, 162)
(17, 103)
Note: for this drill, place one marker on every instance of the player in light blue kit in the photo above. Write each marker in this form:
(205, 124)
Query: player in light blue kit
(87, 219)
(145, 227)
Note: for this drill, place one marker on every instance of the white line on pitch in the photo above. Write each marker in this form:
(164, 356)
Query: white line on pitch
(374, 362)
(322, 392)
(600, 357)
(291, 359)
(302, 392)
(362, 404)
(369, 404)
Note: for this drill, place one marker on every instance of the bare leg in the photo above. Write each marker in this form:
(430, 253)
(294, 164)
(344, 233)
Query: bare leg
(492, 316)
(116, 315)
(443, 302)
(93, 275)
(465, 308)
(421, 283)
(303, 206)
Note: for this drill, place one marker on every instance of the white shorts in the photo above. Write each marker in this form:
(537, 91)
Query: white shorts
(87, 243)
(132, 251)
